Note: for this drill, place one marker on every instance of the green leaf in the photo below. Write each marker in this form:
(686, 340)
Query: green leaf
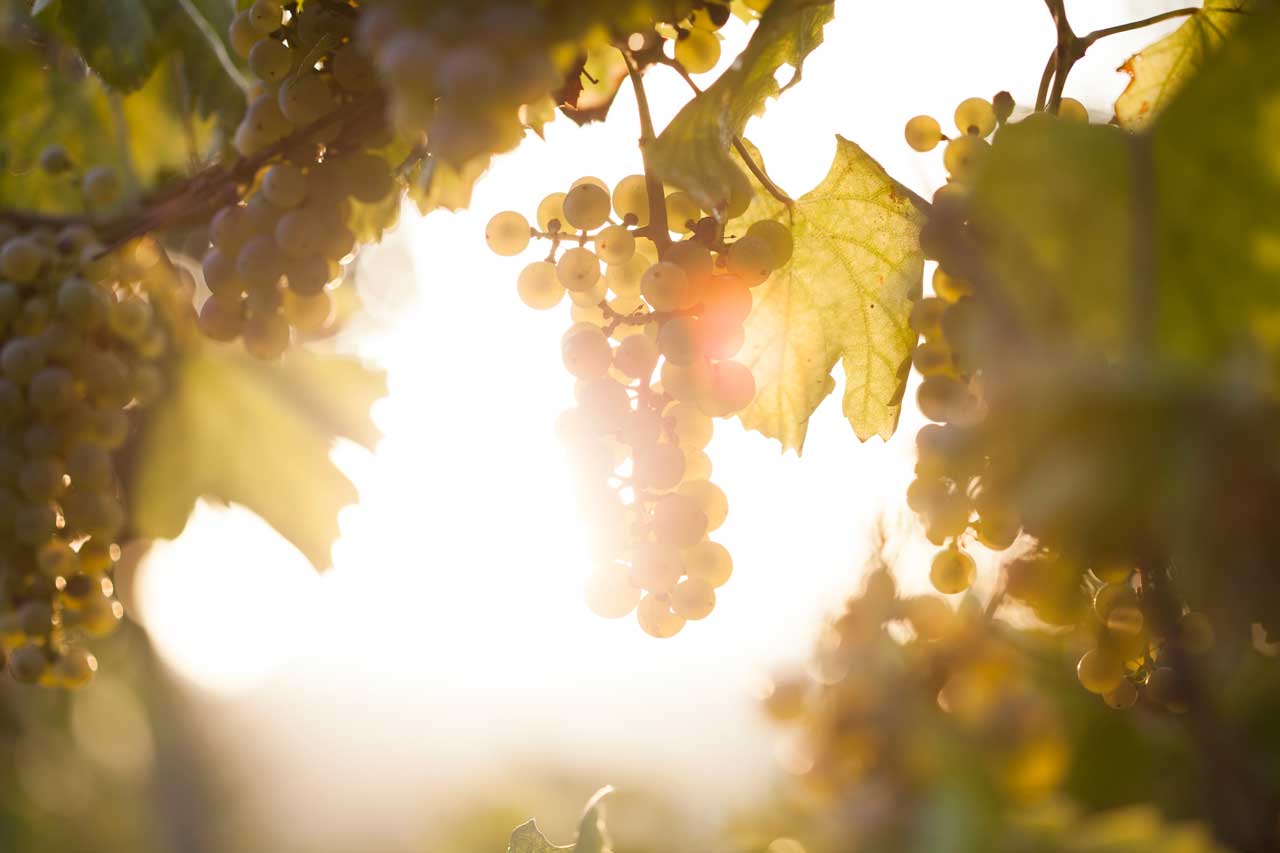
(241, 431)
(592, 838)
(527, 838)
(845, 296)
(440, 185)
(693, 152)
(1071, 216)
(116, 39)
(1158, 72)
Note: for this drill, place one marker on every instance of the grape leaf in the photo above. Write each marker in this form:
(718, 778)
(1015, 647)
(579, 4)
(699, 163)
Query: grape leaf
(844, 296)
(1072, 217)
(1160, 70)
(116, 39)
(527, 838)
(693, 151)
(241, 431)
(440, 185)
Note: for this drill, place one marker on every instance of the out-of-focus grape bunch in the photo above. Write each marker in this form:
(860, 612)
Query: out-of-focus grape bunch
(81, 335)
(1023, 434)
(278, 250)
(652, 349)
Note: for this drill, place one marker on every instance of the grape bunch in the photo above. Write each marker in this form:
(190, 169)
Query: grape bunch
(277, 251)
(994, 420)
(656, 326)
(80, 340)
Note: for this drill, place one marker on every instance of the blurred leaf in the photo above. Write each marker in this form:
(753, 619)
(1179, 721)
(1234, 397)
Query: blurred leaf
(845, 295)
(1158, 72)
(440, 185)
(596, 86)
(527, 839)
(592, 837)
(118, 39)
(241, 431)
(693, 152)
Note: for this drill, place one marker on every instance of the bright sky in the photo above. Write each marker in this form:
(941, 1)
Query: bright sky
(451, 639)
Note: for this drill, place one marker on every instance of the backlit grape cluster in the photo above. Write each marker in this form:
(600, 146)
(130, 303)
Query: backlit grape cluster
(276, 253)
(652, 349)
(79, 344)
(973, 462)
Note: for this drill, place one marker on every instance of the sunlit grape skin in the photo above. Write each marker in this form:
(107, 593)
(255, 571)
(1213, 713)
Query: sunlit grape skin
(923, 133)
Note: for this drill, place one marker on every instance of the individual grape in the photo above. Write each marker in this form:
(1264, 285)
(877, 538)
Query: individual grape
(578, 269)
(259, 262)
(777, 237)
(130, 319)
(221, 320)
(352, 71)
(1123, 696)
(27, 663)
(243, 35)
(52, 391)
(637, 356)
(687, 383)
(508, 234)
(1072, 110)
(305, 98)
(1100, 671)
(949, 288)
(54, 159)
(708, 561)
(693, 598)
(655, 617)
(271, 60)
(631, 200)
(926, 316)
(998, 531)
(733, 388)
(1002, 104)
(101, 186)
(932, 359)
(710, 499)
(284, 185)
(551, 213)
(20, 358)
(682, 213)
(20, 259)
(266, 336)
(690, 426)
(975, 117)
(1165, 687)
(658, 468)
(610, 593)
(615, 245)
(697, 50)
(939, 397)
(538, 286)
(678, 340)
(679, 521)
(586, 352)
(750, 259)
(964, 157)
(74, 668)
(265, 16)
(697, 465)
(923, 133)
(586, 207)
(592, 296)
(40, 479)
(665, 287)
(34, 524)
(952, 571)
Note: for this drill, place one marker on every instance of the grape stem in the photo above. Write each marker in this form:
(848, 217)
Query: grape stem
(661, 235)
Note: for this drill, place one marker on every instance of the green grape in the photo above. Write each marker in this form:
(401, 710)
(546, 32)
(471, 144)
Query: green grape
(642, 430)
(750, 259)
(1100, 671)
(34, 524)
(656, 619)
(221, 319)
(665, 287)
(710, 499)
(52, 391)
(678, 341)
(538, 286)
(21, 259)
(300, 234)
(101, 186)
(926, 316)
(932, 359)
(949, 288)
(589, 180)
(694, 258)
(697, 50)
(266, 336)
(1165, 687)
(733, 388)
(147, 383)
(578, 269)
(271, 60)
(305, 98)
(1122, 697)
(586, 352)
(697, 465)
(615, 245)
(923, 133)
(40, 479)
(998, 531)
(130, 319)
(636, 356)
(27, 663)
(691, 427)
(975, 117)
(658, 468)
(655, 567)
(678, 520)
(1195, 632)
(259, 262)
(508, 234)
(352, 71)
(1072, 110)
(242, 34)
(939, 397)
(82, 304)
(693, 598)
(952, 571)
(586, 206)
(12, 404)
(109, 428)
(20, 358)
(631, 200)
(610, 593)
(307, 313)
(284, 185)
(708, 561)
(551, 213)
(310, 276)
(777, 237)
(265, 16)
(54, 160)
(682, 212)
(964, 156)
(56, 559)
(74, 668)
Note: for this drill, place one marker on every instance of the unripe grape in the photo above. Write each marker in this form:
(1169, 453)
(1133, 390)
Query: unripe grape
(271, 60)
(656, 618)
(259, 262)
(697, 50)
(1072, 110)
(615, 245)
(1100, 671)
(578, 269)
(708, 561)
(310, 276)
(750, 258)
(101, 186)
(90, 467)
(693, 598)
(975, 117)
(665, 287)
(27, 663)
(610, 593)
(682, 212)
(952, 571)
(1122, 696)
(40, 479)
(697, 465)
(33, 525)
(678, 520)
(710, 499)
(243, 34)
(926, 316)
(637, 356)
(305, 98)
(777, 237)
(264, 122)
(733, 388)
(508, 234)
(74, 668)
(631, 199)
(130, 319)
(551, 213)
(691, 427)
(939, 397)
(56, 559)
(932, 358)
(678, 341)
(54, 159)
(586, 207)
(300, 233)
(109, 428)
(586, 352)
(20, 358)
(538, 286)
(221, 319)
(227, 228)
(658, 468)
(265, 16)
(307, 313)
(52, 391)
(1165, 687)
(20, 259)
(266, 336)
(949, 288)
(284, 185)
(694, 258)
(923, 133)
(964, 157)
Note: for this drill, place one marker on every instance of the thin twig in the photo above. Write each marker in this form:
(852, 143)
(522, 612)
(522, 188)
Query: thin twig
(653, 186)
(215, 44)
(1089, 39)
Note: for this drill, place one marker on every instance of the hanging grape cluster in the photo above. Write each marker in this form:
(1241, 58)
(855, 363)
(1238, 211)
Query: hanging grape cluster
(973, 462)
(79, 345)
(652, 349)
(279, 249)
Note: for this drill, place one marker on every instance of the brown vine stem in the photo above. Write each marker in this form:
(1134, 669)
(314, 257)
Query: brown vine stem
(653, 186)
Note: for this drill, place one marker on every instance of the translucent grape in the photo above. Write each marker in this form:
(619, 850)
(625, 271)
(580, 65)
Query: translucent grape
(710, 499)
(586, 352)
(678, 340)
(932, 359)
(637, 356)
(693, 598)
(751, 260)
(242, 34)
(352, 71)
(266, 336)
(692, 428)
(665, 287)
(615, 245)
(655, 567)
(1100, 671)
(697, 465)
(698, 50)
(101, 186)
(923, 133)
(682, 212)
(679, 521)
(975, 117)
(631, 200)
(508, 234)
(777, 237)
(1072, 110)
(265, 16)
(1003, 105)
(656, 618)
(538, 286)
(949, 288)
(305, 98)
(586, 207)
(952, 571)
(551, 210)
(708, 561)
(1122, 696)
(610, 593)
(284, 185)
(578, 269)
(964, 156)
(926, 316)
(271, 60)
